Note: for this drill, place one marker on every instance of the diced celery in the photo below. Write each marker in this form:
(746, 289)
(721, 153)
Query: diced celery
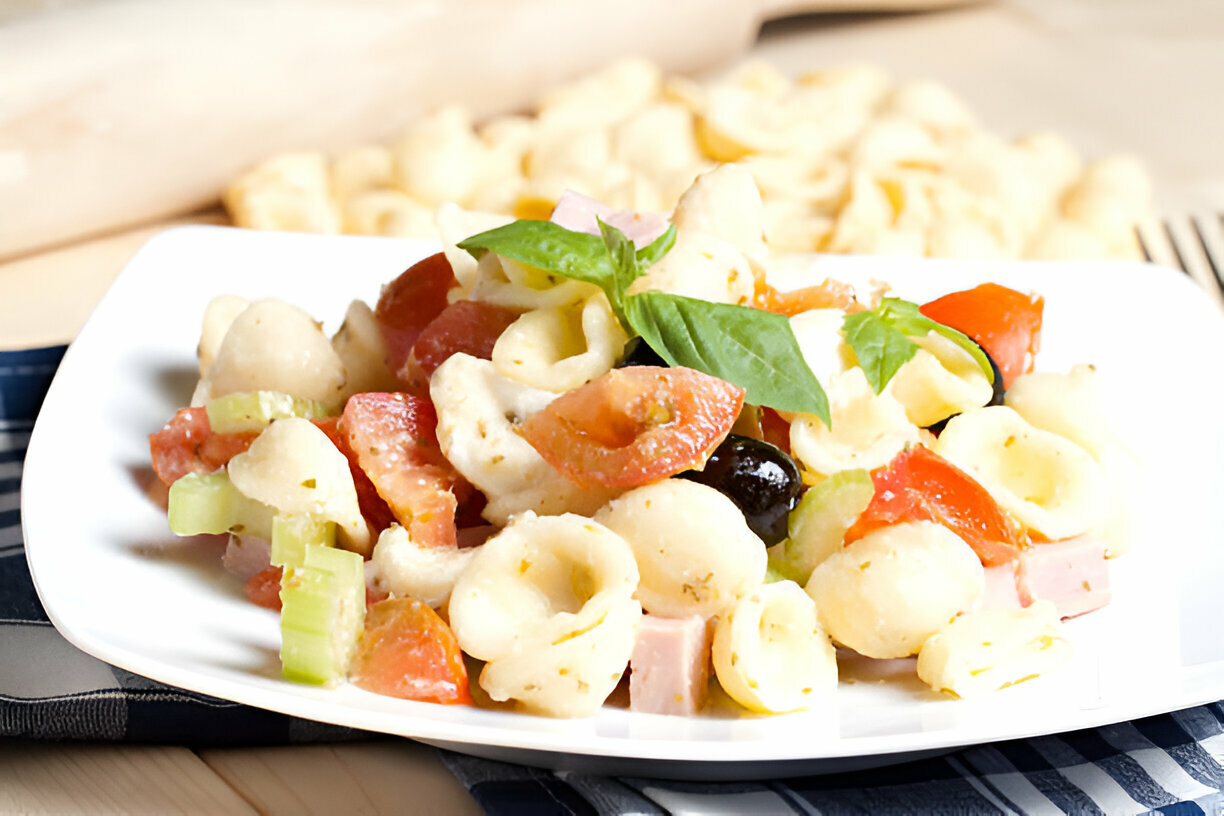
(292, 534)
(209, 503)
(254, 410)
(816, 527)
(322, 615)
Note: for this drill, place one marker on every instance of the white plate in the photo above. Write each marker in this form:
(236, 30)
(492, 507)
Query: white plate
(118, 585)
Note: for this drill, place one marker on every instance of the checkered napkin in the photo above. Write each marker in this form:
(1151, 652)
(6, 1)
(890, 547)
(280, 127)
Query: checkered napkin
(1173, 763)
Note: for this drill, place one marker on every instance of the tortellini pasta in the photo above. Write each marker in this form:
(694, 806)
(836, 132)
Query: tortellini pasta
(985, 650)
(884, 594)
(940, 380)
(694, 550)
(403, 567)
(561, 348)
(770, 653)
(548, 604)
(477, 411)
(1048, 483)
(867, 429)
(362, 351)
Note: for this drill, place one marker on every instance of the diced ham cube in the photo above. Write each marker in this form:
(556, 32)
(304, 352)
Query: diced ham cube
(1072, 573)
(670, 665)
(577, 212)
(1002, 588)
(246, 556)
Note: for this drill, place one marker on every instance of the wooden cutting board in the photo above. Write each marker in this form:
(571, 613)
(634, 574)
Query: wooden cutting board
(117, 113)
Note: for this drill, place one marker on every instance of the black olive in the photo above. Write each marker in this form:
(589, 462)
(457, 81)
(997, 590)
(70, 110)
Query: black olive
(759, 477)
(637, 352)
(996, 396)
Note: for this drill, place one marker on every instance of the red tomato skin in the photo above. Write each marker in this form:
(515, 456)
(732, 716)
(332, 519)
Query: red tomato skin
(920, 485)
(468, 326)
(1006, 323)
(373, 508)
(634, 425)
(407, 304)
(408, 651)
(187, 444)
(263, 588)
(394, 438)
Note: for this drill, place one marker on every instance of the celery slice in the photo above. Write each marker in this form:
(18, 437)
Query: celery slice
(292, 534)
(818, 524)
(209, 503)
(255, 410)
(322, 615)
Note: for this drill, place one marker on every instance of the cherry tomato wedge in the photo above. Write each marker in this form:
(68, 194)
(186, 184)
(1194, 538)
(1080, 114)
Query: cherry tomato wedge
(468, 326)
(373, 508)
(187, 444)
(407, 651)
(830, 294)
(1004, 322)
(407, 304)
(394, 437)
(635, 425)
(920, 485)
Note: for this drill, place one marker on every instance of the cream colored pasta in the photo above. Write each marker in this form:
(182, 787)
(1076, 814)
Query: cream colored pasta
(294, 467)
(701, 265)
(455, 224)
(770, 653)
(561, 348)
(725, 202)
(273, 346)
(986, 650)
(548, 603)
(506, 282)
(884, 594)
(694, 550)
(867, 429)
(477, 412)
(440, 158)
(290, 191)
(1051, 485)
(364, 169)
(388, 212)
(362, 351)
(403, 567)
(940, 380)
(218, 317)
(819, 335)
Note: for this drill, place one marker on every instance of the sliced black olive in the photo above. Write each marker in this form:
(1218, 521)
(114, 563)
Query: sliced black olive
(996, 396)
(637, 352)
(760, 478)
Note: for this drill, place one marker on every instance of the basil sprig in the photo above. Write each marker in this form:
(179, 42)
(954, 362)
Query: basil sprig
(750, 348)
(881, 339)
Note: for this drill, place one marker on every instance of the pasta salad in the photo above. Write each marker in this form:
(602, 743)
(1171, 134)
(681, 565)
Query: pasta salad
(602, 450)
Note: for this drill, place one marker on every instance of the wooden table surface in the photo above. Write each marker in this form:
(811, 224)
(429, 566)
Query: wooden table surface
(1122, 75)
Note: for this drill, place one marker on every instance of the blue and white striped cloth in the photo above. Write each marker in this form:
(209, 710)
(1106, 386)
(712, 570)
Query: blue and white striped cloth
(1171, 764)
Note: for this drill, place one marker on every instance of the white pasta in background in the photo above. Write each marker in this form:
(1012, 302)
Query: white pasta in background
(1048, 483)
(694, 550)
(548, 604)
(561, 348)
(273, 346)
(475, 408)
(770, 653)
(884, 594)
(361, 170)
(290, 191)
(867, 429)
(986, 650)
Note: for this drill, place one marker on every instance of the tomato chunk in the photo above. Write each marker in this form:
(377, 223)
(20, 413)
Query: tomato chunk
(263, 588)
(468, 326)
(635, 425)
(407, 304)
(373, 508)
(407, 651)
(1004, 322)
(187, 444)
(829, 294)
(920, 485)
(394, 437)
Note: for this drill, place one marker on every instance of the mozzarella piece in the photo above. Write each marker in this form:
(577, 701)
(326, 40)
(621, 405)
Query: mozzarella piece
(477, 413)
(884, 594)
(771, 654)
(986, 650)
(1050, 484)
(561, 348)
(693, 547)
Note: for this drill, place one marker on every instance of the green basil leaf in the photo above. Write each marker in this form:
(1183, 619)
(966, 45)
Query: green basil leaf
(753, 349)
(650, 255)
(624, 263)
(880, 348)
(550, 247)
(906, 318)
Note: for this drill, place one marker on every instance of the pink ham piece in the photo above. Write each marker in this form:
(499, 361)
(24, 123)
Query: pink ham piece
(578, 213)
(1002, 590)
(1072, 573)
(670, 665)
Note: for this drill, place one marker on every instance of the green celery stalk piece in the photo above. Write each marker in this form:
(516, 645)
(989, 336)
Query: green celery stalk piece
(209, 503)
(322, 615)
(816, 527)
(294, 534)
(255, 410)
